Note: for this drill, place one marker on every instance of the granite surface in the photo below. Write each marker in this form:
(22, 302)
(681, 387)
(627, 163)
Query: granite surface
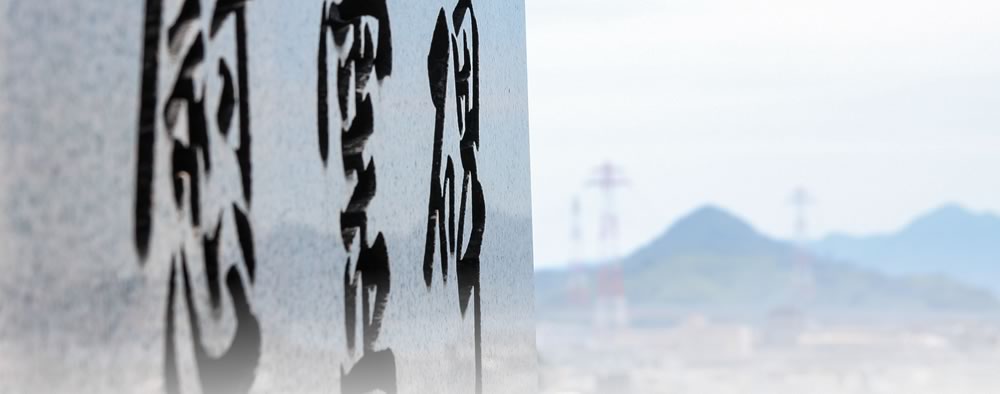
(264, 196)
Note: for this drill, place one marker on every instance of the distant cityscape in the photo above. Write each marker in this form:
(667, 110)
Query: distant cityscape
(713, 306)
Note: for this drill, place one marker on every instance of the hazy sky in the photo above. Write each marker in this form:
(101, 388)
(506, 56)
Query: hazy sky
(882, 109)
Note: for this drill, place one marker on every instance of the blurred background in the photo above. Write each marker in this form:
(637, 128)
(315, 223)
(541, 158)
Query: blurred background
(782, 196)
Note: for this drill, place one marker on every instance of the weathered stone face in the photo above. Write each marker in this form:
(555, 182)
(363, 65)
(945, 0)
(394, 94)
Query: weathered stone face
(262, 196)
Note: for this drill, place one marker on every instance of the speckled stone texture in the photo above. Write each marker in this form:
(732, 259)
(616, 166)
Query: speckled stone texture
(264, 196)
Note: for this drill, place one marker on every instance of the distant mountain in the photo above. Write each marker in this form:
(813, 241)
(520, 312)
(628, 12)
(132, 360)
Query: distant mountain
(711, 259)
(706, 229)
(950, 241)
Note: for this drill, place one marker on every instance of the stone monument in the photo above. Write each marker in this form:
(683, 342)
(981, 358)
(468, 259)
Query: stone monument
(262, 196)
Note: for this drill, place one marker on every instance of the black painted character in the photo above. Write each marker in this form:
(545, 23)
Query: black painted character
(457, 47)
(203, 123)
(361, 49)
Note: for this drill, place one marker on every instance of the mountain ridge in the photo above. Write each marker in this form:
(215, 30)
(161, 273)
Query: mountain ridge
(949, 240)
(711, 258)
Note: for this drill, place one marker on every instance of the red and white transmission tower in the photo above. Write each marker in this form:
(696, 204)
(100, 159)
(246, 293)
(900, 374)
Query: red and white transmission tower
(805, 281)
(580, 282)
(611, 308)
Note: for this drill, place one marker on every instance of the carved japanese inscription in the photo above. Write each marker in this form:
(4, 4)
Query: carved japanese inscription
(355, 46)
(194, 187)
(202, 123)
(454, 55)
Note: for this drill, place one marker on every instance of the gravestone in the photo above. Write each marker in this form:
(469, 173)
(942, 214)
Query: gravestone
(232, 196)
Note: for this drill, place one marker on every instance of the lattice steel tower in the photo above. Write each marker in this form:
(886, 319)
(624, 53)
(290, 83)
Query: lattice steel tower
(611, 309)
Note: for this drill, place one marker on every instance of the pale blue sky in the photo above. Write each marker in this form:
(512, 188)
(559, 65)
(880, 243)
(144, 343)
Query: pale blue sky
(881, 108)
